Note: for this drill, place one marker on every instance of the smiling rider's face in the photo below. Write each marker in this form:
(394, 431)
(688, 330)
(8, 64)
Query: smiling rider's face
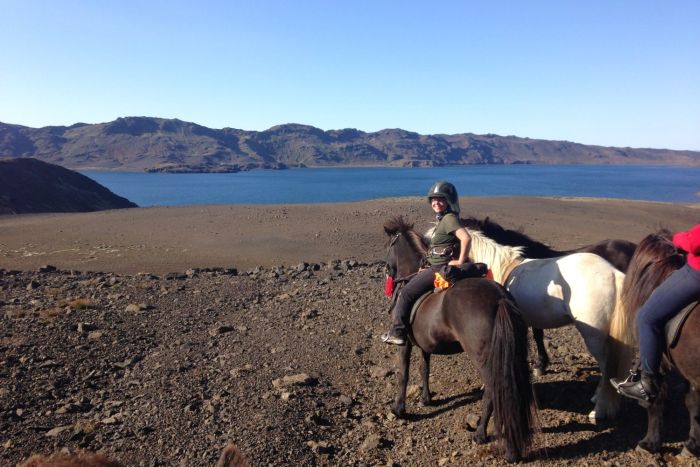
(438, 204)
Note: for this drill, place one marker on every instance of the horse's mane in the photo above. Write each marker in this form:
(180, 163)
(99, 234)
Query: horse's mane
(653, 261)
(398, 225)
(498, 257)
(530, 248)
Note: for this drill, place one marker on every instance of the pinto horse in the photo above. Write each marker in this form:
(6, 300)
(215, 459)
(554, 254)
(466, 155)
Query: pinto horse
(476, 316)
(655, 259)
(580, 289)
(616, 252)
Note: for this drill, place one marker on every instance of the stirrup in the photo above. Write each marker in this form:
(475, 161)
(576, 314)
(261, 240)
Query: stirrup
(633, 377)
(395, 340)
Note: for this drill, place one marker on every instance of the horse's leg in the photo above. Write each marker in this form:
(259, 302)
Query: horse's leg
(480, 435)
(426, 398)
(655, 415)
(607, 401)
(542, 356)
(692, 402)
(399, 406)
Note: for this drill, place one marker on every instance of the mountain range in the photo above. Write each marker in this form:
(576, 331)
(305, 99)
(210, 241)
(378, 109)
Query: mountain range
(171, 145)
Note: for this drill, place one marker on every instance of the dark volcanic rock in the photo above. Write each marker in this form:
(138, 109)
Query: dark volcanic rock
(29, 185)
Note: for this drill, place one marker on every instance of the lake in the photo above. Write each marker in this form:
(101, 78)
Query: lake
(330, 185)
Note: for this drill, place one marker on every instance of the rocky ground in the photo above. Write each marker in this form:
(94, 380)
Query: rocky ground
(283, 361)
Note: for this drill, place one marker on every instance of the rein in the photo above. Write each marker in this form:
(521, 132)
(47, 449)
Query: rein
(394, 284)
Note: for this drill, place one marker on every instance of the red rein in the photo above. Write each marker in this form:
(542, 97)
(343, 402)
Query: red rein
(389, 286)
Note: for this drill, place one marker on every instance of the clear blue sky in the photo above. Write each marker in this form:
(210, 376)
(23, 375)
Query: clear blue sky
(614, 73)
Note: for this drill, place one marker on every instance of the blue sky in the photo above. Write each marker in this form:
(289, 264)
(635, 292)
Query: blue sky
(613, 73)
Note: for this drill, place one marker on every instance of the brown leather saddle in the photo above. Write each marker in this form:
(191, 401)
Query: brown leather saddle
(675, 324)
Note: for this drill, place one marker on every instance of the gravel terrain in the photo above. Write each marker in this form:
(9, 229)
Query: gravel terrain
(267, 336)
(285, 362)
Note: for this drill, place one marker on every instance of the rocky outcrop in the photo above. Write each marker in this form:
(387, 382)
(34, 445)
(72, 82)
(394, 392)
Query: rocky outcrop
(162, 145)
(28, 185)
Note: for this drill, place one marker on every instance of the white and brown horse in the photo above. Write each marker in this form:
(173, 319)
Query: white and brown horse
(580, 289)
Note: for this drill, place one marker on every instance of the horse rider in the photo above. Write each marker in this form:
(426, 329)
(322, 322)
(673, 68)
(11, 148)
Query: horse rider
(449, 245)
(678, 290)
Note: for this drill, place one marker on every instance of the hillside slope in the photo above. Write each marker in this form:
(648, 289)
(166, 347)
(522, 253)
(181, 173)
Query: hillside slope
(29, 185)
(156, 144)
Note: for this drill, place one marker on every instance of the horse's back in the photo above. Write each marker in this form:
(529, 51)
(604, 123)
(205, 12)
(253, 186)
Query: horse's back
(616, 251)
(554, 292)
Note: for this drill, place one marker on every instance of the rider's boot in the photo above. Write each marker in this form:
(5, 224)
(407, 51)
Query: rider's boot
(644, 388)
(395, 337)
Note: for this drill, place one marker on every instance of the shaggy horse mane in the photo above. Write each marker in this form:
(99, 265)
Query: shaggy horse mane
(531, 247)
(398, 225)
(654, 260)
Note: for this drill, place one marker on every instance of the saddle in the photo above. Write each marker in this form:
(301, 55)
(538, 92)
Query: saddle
(674, 325)
(450, 274)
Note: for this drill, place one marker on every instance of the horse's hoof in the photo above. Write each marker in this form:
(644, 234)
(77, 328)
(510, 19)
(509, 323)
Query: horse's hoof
(426, 402)
(400, 412)
(592, 417)
(512, 457)
(479, 437)
(647, 447)
(687, 453)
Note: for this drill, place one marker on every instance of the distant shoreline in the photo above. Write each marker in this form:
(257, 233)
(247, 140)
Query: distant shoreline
(325, 167)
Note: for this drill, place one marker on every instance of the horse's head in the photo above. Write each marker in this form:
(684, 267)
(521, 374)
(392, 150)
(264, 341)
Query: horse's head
(653, 261)
(406, 248)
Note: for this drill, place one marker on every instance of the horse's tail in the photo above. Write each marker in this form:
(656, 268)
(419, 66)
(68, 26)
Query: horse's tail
(619, 347)
(514, 407)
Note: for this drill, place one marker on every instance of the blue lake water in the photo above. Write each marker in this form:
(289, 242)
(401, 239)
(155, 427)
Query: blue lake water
(654, 183)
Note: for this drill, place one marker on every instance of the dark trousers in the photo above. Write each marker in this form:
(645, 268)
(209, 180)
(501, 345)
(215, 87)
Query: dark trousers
(417, 286)
(678, 290)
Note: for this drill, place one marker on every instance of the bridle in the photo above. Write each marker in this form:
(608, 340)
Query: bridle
(394, 284)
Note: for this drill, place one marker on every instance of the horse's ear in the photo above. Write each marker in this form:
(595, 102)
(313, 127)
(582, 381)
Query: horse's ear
(389, 231)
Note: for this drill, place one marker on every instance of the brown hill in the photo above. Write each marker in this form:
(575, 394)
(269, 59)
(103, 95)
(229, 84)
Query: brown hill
(29, 185)
(155, 144)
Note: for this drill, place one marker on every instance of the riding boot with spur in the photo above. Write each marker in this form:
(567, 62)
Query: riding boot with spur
(642, 388)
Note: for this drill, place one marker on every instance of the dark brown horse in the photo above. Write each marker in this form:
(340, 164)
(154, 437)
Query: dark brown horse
(476, 316)
(654, 260)
(616, 251)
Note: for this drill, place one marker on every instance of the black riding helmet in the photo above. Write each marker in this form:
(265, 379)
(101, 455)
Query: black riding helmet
(448, 192)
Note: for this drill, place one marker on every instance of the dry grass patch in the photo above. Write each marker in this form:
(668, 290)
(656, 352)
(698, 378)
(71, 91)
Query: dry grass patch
(78, 303)
(51, 313)
(52, 291)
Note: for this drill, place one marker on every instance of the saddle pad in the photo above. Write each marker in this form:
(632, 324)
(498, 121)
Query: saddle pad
(674, 325)
(417, 305)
